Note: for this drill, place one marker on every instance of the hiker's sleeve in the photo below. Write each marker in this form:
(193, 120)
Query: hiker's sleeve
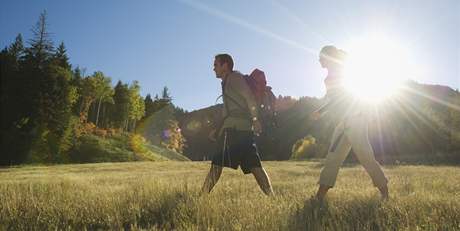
(245, 91)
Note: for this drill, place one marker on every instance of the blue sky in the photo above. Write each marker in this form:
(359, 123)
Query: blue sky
(172, 43)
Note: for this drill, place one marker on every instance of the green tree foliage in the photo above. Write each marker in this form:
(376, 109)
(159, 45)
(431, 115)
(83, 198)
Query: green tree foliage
(42, 94)
(56, 99)
(50, 111)
(103, 92)
(165, 95)
(88, 96)
(16, 104)
(120, 110)
(136, 105)
(95, 90)
(16, 50)
(162, 102)
(11, 78)
(149, 105)
(60, 57)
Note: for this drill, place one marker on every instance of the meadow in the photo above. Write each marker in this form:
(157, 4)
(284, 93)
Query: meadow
(165, 196)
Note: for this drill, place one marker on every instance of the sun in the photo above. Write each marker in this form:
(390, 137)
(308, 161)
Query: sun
(375, 68)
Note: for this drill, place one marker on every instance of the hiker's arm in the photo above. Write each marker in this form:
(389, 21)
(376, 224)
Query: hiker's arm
(245, 91)
(325, 107)
(333, 99)
(219, 122)
(330, 101)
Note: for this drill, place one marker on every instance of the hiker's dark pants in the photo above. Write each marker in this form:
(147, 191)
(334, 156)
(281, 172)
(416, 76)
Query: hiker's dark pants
(237, 148)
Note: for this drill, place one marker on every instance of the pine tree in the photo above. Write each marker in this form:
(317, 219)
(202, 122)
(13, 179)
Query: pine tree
(41, 46)
(60, 57)
(17, 49)
(149, 105)
(165, 95)
(160, 103)
(120, 110)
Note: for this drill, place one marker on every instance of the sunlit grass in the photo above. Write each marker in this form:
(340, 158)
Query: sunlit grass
(164, 195)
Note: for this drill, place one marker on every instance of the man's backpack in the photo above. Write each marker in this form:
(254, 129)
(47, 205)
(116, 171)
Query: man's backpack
(264, 97)
(265, 100)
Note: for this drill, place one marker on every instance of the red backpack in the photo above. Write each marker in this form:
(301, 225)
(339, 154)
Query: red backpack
(264, 97)
(265, 100)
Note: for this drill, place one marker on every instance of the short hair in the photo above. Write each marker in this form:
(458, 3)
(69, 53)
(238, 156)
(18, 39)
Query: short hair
(225, 58)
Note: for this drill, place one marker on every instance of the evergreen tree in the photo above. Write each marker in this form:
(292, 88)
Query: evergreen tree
(41, 46)
(56, 99)
(11, 82)
(149, 105)
(165, 96)
(120, 110)
(162, 102)
(17, 49)
(60, 57)
(77, 81)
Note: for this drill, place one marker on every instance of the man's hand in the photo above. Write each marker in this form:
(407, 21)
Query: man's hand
(315, 115)
(212, 135)
(257, 127)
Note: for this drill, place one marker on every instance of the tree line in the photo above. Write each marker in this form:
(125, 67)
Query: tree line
(47, 105)
(420, 125)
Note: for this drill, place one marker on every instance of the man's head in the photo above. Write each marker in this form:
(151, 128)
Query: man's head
(223, 64)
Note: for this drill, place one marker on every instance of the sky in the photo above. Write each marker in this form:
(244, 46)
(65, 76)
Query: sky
(173, 43)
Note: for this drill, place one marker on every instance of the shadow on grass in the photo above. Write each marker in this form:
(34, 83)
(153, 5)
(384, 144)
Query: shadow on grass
(174, 210)
(347, 215)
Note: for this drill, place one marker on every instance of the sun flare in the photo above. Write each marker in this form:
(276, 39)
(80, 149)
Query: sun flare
(375, 68)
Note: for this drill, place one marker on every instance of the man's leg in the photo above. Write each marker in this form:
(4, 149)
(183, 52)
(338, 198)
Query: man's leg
(212, 178)
(263, 180)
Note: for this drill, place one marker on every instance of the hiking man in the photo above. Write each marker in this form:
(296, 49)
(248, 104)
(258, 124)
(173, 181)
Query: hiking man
(235, 132)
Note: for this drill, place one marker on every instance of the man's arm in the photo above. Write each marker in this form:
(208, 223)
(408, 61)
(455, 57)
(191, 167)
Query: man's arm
(245, 91)
(243, 88)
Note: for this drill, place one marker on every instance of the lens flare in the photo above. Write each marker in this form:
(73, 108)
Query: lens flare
(375, 68)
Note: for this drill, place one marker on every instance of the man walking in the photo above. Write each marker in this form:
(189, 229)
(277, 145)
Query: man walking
(235, 133)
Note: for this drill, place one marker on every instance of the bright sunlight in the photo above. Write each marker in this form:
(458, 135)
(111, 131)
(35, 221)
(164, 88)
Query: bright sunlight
(375, 68)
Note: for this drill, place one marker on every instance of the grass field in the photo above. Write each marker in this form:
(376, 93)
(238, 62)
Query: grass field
(165, 196)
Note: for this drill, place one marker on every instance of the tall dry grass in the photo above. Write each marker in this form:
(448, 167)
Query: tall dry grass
(165, 196)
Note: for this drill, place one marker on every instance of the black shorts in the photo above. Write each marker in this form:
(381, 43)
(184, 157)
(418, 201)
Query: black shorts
(237, 148)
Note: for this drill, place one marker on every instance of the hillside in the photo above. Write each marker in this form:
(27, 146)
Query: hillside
(421, 124)
(118, 148)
